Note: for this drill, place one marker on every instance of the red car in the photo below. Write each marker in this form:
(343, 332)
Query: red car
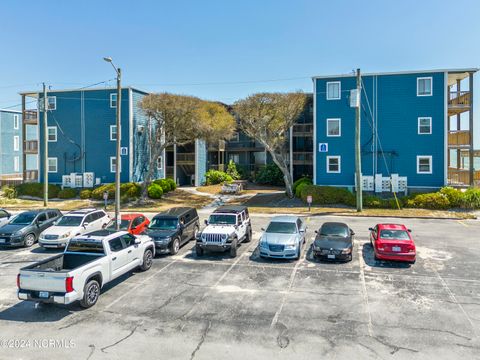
(392, 242)
(135, 224)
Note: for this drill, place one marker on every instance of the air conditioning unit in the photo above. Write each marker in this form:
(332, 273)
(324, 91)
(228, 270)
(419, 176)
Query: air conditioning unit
(66, 181)
(88, 179)
(79, 181)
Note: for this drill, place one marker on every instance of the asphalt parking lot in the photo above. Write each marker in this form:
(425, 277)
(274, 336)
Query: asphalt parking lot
(249, 308)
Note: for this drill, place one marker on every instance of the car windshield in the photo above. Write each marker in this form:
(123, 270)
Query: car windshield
(23, 219)
(219, 219)
(123, 225)
(69, 221)
(278, 227)
(163, 224)
(334, 230)
(394, 234)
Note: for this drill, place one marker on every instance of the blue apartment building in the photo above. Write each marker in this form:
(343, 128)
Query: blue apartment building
(415, 126)
(11, 149)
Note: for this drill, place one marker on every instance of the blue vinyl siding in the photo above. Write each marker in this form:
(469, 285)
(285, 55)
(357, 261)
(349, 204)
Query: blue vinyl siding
(398, 108)
(83, 120)
(7, 134)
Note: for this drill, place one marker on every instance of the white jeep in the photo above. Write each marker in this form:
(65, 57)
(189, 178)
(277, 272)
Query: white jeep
(227, 227)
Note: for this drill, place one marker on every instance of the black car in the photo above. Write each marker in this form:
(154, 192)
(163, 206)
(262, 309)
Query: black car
(25, 228)
(173, 228)
(334, 241)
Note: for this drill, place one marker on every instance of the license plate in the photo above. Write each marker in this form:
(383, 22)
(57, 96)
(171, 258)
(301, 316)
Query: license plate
(396, 248)
(43, 294)
(331, 256)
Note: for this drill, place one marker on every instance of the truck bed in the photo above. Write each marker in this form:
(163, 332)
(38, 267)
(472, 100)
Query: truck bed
(63, 262)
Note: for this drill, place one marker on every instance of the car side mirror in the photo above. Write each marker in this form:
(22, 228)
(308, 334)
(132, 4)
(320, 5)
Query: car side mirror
(371, 229)
(206, 222)
(263, 229)
(352, 232)
(302, 231)
(409, 230)
(316, 231)
(85, 224)
(138, 241)
(133, 228)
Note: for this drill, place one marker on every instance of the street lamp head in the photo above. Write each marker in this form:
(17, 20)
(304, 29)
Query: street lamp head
(108, 59)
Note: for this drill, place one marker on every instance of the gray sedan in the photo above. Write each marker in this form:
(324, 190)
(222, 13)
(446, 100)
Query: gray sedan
(283, 238)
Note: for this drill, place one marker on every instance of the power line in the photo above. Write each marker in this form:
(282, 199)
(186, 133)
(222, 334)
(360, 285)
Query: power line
(226, 82)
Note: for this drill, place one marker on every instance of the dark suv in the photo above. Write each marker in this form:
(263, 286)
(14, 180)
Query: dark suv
(24, 228)
(173, 228)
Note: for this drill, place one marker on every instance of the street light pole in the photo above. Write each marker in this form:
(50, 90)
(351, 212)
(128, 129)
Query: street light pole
(118, 161)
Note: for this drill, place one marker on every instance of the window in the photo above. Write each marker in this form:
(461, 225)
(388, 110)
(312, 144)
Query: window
(15, 122)
(160, 163)
(234, 157)
(116, 244)
(235, 137)
(41, 218)
(52, 165)
(424, 125)
(424, 86)
(334, 127)
(333, 164)
(52, 215)
(113, 132)
(3, 214)
(16, 163)
(113, 164)
(16, 143)
(52, 133)
(128, 239)
(424, 164)
(52, 102)
(334, 90)
(113, 100)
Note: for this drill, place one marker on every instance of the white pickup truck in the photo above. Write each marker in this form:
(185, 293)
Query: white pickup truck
(88, 263)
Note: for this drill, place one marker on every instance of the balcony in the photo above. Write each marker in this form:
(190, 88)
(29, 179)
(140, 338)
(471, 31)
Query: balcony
(459, 138)
(458, 102)
(30, 147)
(302, 130)
(31, 176)
(302, 158)
(244, 146)
(30, 117)
(186, 158)
(460, 177)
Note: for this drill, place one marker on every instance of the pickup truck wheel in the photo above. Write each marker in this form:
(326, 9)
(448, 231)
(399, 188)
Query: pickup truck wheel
(29, 240)
(233, 249)
(198, 251)
(175, 246)
(91, 292)
(147, 260)
(195, 232)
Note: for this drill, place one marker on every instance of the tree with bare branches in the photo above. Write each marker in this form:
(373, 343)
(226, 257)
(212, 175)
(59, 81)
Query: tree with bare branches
(267, 117)
(179, 120)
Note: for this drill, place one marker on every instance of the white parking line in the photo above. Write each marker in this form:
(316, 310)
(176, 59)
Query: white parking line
(364, 290)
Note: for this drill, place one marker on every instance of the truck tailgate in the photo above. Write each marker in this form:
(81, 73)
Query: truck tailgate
(43, 281)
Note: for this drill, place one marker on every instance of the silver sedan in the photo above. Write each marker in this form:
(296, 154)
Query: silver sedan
(283, 238)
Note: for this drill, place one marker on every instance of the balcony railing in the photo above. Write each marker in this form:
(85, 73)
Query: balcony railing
(459, 138)
(462, 177)
(301, 158)
(302, 129)
(30, 117)
(31, 147)
(31, 175)
(244, 145)
(459, 98)
(186, 158)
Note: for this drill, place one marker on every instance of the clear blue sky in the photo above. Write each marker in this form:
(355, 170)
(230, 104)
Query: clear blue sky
(208, 48)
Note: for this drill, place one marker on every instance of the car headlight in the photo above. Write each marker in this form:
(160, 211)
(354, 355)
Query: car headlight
(64, 236)
(263, 243)
(204, 236)
(290, 246)
(225, 236)
(346, 251)
(17, 233)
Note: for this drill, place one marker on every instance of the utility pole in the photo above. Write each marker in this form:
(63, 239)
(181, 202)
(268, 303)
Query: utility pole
(358, 160)
(118, 161)
(45, 151)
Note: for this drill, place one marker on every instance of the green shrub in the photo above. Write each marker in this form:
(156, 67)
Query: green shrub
(454, 196)
(327, 195)
(299, 188)
(270, 175)
(85, 194)
(155, 191)
(471, 199)
(232, 170)
(9, 192)
(164, 184)
(36, 190)
(434, 201)
(67, 193)
(372, 201)
(302, 180)
(173, 184)
(97, 193)
(213, 177)
(127, 191)
(130, 190)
